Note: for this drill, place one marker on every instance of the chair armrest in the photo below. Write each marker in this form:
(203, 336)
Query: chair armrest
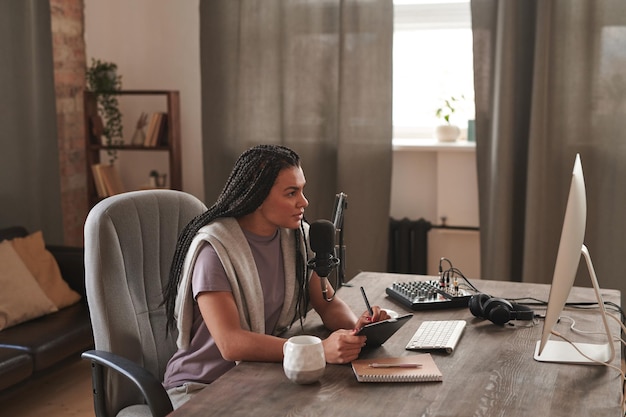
(152, 389)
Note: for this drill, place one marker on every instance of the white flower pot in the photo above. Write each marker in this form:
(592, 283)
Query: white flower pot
(447, 133)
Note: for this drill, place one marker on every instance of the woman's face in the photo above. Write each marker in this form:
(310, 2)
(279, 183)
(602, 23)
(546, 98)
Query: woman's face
(285, 204)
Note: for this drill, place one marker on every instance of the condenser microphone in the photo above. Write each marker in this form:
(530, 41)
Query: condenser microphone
(322, 239)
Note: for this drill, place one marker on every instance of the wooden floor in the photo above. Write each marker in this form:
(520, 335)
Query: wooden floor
(66, 392)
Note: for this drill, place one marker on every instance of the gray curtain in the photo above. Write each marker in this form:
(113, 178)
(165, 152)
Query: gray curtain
(550, 83)
(315, 76)
(29, 159)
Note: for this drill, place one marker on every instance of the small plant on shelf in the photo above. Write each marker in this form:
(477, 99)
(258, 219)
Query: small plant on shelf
(103, 81)
(448, 108)
(157, 180)
(448, 132)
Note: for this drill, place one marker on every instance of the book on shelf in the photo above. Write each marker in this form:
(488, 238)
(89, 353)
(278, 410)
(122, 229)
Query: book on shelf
(157, 130)
(107, 179)
(411, 368)
(152, 126)
(99, 181)
(162, 134)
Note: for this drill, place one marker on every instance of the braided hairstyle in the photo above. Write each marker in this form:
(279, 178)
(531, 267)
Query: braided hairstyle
(248, 185)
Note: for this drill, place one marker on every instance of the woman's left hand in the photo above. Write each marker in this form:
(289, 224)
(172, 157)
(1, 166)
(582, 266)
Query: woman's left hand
(378, 315)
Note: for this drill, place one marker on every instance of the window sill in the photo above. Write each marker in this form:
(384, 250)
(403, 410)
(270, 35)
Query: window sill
(432, 145)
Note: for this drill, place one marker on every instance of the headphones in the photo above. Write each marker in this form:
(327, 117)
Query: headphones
(498, 310)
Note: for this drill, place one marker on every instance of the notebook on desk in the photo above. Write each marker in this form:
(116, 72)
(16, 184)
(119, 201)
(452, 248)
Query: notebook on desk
(413, 368)
(377, 333)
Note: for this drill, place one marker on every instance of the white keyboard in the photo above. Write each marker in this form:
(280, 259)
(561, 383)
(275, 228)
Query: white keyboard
(437, 334)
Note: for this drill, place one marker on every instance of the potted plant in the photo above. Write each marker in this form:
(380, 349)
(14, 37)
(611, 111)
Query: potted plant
(448, 132)
(102, 79)
(154, 175)
(157, 180)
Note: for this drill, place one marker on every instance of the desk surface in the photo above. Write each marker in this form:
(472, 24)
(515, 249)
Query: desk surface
(491, 373)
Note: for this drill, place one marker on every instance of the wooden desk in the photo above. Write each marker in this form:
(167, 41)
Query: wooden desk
(491, 373)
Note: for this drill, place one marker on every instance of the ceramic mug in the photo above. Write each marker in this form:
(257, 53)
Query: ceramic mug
(304, 360)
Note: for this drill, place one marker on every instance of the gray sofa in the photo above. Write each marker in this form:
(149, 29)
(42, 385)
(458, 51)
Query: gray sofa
(32, 348)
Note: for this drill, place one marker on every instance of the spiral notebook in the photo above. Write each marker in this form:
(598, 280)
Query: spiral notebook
(412, 368)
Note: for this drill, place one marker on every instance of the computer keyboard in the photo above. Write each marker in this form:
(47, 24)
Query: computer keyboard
(437, 334)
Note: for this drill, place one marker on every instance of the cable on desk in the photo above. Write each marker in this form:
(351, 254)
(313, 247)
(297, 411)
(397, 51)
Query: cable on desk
(448, 275)
(580, 305)
(587, 305)
(618, 369)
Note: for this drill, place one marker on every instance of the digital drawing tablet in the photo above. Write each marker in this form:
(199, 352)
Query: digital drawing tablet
(378, 333)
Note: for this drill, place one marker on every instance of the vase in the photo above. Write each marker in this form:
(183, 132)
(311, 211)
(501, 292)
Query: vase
(447, 133)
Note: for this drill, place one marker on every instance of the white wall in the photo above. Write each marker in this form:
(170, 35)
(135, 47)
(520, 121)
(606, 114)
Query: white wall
(156, 46)
(435, 180)
(439, 180)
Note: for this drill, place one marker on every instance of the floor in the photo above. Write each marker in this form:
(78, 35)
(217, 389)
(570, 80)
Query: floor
(66, 392)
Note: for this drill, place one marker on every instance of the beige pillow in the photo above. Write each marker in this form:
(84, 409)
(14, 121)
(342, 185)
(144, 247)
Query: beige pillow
(41, 263)
(21, 298)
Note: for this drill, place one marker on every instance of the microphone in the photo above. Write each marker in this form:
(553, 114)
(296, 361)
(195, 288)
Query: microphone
(322, 238)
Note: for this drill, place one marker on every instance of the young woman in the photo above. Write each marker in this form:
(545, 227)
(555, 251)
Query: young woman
(239, 277)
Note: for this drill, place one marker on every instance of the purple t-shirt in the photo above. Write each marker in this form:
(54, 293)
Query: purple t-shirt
(202, 362)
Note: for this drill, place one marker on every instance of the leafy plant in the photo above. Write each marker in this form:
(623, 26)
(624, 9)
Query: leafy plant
(102, 79)
(449, 107)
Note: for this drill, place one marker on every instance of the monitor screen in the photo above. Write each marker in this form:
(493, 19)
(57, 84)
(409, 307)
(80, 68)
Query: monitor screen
(568, 256)
(571, 247)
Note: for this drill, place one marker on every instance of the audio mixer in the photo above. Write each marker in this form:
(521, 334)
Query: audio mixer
(428, 295)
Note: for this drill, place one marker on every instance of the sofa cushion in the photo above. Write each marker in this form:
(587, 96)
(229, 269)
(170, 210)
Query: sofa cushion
(52, 338)
(12, 232)
(45, 269)
(15, 366)
(21, 298)
(71, 261)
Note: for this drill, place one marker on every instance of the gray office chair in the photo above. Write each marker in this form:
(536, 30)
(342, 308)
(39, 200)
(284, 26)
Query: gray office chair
(129, 244)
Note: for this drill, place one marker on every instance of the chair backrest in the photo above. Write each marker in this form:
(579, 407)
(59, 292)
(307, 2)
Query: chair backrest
(129, 244)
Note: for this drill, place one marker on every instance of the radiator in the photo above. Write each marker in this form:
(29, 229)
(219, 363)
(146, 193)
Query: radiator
(408, 246)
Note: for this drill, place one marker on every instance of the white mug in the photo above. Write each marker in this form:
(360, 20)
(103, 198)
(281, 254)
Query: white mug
(304, 360)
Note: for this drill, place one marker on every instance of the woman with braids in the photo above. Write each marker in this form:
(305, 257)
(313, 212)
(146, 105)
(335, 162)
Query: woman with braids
(239, 277)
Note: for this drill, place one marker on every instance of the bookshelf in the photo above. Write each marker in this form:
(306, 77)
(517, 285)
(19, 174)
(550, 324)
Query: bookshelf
(169, 141)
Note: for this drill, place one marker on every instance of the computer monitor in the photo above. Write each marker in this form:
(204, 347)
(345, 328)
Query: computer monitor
(571, 247)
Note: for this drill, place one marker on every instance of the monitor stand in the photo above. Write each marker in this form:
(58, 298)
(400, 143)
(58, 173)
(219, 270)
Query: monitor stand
(594, 354)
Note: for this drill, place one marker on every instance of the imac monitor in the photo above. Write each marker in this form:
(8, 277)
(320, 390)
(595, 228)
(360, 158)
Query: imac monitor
(571, 247)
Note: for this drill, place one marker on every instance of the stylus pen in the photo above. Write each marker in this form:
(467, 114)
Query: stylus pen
(395, 365)
(367, 303)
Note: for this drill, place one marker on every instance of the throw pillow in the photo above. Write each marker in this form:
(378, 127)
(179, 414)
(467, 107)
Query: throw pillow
(41, 263)
(21, 298)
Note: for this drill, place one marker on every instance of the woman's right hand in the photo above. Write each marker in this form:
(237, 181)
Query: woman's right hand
(343, 346)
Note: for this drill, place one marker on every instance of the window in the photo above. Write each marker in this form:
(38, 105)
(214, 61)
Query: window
(432, 61)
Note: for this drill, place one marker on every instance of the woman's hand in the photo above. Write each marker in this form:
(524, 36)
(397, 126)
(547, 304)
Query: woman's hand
(343, 346)
(365, 318)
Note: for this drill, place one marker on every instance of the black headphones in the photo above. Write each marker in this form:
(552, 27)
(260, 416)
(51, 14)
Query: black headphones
(498, 310)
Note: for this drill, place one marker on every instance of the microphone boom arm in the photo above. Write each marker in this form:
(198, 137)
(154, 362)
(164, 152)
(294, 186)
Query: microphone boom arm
(323, 269)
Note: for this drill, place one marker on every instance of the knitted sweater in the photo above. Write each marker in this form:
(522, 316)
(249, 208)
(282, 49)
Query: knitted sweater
(233, 250)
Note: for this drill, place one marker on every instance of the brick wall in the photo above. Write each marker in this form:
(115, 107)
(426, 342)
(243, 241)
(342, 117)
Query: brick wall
(69, 79)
